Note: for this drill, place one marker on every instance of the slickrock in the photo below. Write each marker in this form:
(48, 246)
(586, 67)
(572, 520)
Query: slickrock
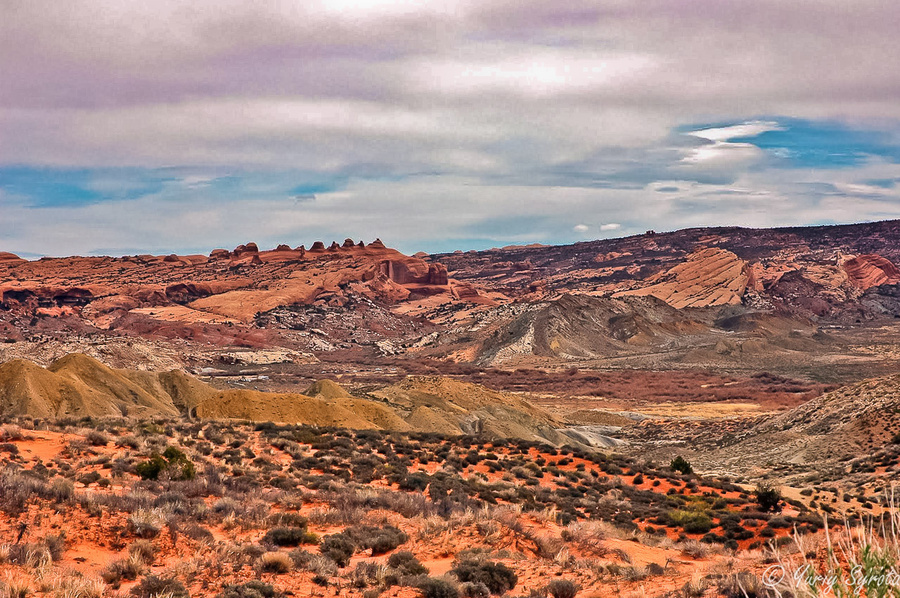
(709, 277)
(870, 270)
(6, 257)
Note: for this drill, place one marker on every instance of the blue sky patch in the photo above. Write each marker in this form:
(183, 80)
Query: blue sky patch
(49, 187)
(822, 144)
(40, 187)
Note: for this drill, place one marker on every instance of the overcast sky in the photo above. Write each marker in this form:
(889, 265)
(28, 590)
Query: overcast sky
(135, 126)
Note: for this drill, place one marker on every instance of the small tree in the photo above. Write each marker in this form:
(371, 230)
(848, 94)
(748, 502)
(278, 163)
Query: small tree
(680, 464)
(768, 498)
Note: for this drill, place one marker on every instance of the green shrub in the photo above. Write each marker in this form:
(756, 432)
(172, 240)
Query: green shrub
(562, 588)
(693, 522)
(474, 590)
(339, 548)
(289, 536)
(681, 465)
(496, 576)
(380, 540)
(173, 461)
(150, 469)
(768, 498)
(154, 586)
(251, 589)
(406, 563)
(432, 587)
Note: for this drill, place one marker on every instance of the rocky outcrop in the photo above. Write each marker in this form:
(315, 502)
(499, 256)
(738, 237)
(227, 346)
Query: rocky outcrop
(6, 258)
(709, 277)
(782, 265)
(234, 285)
(870, 270)
(413, 271)
(241, 250)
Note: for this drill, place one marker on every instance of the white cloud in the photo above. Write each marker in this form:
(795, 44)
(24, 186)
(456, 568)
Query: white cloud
(722, 153)
(748, 129)
(610, 226)
(440, 115)
(527, 71)
(581, 228)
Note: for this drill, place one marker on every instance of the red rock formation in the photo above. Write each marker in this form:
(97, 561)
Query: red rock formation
(317, 246)
(255, 281)
(708, 277)
(244, 250)
(413, 271)
(183, 292)
(870, 270)
(6, 257)
(464, 290)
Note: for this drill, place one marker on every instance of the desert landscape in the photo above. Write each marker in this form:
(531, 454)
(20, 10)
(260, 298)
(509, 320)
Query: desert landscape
(674, 414)
(449, 299)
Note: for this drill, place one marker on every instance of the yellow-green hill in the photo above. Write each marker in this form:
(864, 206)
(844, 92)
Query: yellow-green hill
(78, 385)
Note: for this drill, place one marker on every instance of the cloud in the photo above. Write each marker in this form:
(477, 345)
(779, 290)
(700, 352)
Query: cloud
(726, 133)
(434, 121)
(722, 152)
(610, 226)
(581, 228)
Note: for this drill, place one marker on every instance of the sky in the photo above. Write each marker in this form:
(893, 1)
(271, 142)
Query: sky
(170, 126)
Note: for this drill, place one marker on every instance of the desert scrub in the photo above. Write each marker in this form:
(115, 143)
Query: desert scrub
(96, 438)
(497, 577)
(405, 563)
(367, 574)
(339, 548)
(146, 523)
(70, 585)
(380, 540)
(693, 522)
(123, 569)
(741, 584)
(251, 589)
(289, 536)
(562, 588)
(432, 587)
(144, 550)
(154, 586)
(173, 462)
(681, 465)
(14, 584)
(859, 561)
(768, 498)
(275, 562)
